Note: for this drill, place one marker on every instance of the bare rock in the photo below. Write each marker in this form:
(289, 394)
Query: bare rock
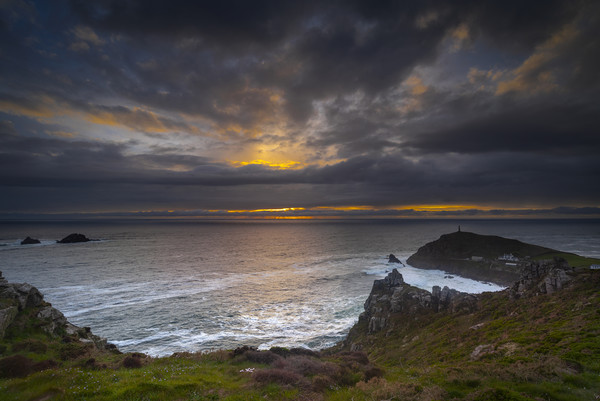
(28, 295)
(393, 279)
(541, 277)
(393, 259)
(481, 350)
(53, 321)
(7, 315)
(73, 238)
(30, 241)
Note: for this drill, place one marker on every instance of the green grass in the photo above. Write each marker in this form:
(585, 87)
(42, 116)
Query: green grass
(573, 259)
(162, 379)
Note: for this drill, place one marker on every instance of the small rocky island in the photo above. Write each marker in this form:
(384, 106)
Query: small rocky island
(74, 238)
(30, 241)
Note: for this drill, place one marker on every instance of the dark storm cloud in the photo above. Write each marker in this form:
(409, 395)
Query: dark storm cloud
(236, 23)
(570, 129)
(331, 77)
(333, 48)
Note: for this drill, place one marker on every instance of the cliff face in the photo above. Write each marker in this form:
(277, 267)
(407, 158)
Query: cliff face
(476, 256)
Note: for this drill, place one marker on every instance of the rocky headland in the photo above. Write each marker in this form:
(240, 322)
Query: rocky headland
(480, 257)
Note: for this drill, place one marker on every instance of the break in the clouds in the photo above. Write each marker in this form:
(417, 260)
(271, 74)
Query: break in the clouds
(338, 108)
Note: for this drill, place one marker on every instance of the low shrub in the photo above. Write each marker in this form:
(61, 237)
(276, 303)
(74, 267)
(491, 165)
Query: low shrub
(354, 356)
(242, 350)
(216, 356)
(262, 357)
(308, 366)
(281, 351)
(133, 361)
(73, 350)
(21, 366)
(34, 346)
(379, 389)
(93, 364)
(373, 371)
(498, 395)
(43, 365)
(279, 376)
(15, 366)
(322, 383)
(304, 351)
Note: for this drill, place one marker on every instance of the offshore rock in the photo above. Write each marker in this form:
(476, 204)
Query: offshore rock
(30, 241)
(393, 259)
(73, 238)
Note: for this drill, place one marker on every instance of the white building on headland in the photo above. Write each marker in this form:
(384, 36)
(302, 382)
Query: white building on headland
(509, 257)
(595, 267)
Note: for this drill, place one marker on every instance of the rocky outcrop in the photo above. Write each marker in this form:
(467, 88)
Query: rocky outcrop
(73, 238)
(392, 296)
(30, 241)
(392, 302)
(541, 277)
(20, 298)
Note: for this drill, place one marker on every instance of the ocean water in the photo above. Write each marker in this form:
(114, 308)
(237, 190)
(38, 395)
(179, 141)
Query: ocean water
(166, 286)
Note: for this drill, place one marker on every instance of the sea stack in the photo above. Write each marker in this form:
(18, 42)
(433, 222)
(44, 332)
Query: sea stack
(73, 238)
(393, 259)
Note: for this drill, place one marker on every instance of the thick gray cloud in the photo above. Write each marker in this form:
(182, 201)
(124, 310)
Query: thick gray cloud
(138, 105)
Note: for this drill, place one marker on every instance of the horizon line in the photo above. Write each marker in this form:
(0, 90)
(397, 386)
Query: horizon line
(325, 213)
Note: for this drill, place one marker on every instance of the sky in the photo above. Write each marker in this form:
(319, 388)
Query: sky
(299, 108)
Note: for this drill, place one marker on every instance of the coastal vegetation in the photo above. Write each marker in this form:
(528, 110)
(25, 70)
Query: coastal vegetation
(528, 342)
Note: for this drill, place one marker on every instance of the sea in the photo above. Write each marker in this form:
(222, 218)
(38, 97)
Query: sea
(165, 286)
